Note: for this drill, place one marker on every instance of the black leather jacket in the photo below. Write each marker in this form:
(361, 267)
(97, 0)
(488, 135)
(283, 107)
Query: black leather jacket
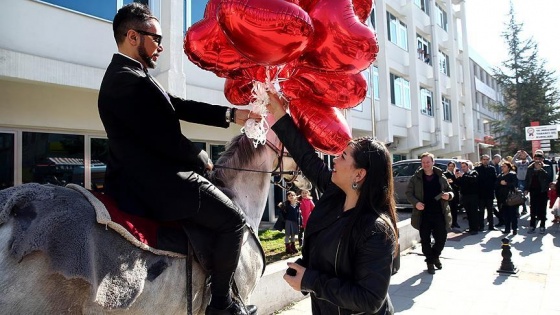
(348, 255)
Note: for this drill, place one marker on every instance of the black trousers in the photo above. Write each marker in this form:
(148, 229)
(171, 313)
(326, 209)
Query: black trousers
(217, 213)
(488, 205)
(470, 202)
(538, 208)
(433, 224)
(454, 206)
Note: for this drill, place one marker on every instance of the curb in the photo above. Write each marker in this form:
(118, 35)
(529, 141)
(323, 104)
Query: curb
(272, 293)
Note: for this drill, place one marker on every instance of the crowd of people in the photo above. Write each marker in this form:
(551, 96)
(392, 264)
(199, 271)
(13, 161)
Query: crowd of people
(437, 196)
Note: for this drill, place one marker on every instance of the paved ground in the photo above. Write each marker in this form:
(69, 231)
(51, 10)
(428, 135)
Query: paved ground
(469, 282)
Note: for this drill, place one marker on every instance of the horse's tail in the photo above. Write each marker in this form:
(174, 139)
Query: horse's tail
(20, 196)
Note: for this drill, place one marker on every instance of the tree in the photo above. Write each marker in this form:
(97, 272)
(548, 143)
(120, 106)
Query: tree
(529, 90)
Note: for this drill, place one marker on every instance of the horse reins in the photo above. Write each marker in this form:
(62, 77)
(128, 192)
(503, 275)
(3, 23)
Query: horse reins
(277, 171)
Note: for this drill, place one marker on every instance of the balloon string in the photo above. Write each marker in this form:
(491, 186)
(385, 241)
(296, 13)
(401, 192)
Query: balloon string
(253, 129)
(258, 130)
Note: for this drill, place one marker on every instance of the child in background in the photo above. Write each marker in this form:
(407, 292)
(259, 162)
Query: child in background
(292, 221)
(553, 201)
(306, 205)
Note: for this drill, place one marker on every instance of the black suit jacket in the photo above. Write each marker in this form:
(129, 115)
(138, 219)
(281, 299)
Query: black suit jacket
(148, 154)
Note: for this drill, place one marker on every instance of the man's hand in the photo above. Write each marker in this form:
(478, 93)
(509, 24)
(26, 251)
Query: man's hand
(445, 196)
(419, 206)
(242, 115)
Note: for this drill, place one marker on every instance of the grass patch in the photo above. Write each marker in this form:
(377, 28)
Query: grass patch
(273, 244)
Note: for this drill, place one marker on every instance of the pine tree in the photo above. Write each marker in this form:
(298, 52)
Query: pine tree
(529, 89)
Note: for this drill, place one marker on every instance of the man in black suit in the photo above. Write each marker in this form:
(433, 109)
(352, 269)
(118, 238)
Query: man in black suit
(155, 171)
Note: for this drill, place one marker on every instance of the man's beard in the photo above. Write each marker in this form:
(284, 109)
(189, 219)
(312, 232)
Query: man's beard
(144, 55)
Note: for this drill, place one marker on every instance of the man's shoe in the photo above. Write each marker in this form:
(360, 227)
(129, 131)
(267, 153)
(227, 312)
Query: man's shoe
(491, 228)
(437, 263)
(500, 224)
(524, 212)
(506, 232)
(531, 231)
(514, 232)
(542, 229)
(235, 308)
(431, 269)
(473, 232)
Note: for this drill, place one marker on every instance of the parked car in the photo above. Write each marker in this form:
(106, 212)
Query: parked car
(403, 170)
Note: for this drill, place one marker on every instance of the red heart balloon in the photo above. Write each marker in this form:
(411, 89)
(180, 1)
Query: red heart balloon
(362, 8)
(269, 32)
(341, 43)
(325, 88)
(238, 91)
(206, 45)
(323, 126)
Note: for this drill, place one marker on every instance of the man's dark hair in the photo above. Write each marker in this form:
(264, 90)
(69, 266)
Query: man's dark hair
(131, 16)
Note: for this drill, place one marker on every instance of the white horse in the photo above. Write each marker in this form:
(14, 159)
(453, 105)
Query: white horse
(36, 283)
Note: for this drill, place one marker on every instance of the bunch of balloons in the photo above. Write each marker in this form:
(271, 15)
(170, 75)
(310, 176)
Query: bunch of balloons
(313, 49)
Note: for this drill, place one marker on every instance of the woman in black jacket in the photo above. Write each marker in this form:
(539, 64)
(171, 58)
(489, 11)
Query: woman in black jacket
(351, 234)
(507, 182)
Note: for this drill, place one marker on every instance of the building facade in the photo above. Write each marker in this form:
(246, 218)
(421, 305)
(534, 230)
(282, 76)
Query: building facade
(421, 98)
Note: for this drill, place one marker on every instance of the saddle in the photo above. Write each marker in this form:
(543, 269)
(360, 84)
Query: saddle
(161, 238)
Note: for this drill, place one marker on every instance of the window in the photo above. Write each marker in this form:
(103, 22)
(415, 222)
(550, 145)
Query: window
(375, 83)
(400, 92)
(426, 106)
(372, 18)
(102, 9)
(397, 31)
(423, 5)
(446, 103)
(195, 12)
(50, 158)
(424, 49)
(441, 17)
(7, 153)
(443, 63)
(215, 151)
(98, 162)
(328, 159)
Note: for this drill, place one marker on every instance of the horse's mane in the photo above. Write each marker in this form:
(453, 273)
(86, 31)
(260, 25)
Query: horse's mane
(238, 153)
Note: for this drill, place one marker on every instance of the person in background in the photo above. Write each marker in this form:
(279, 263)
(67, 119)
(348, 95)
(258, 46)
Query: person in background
(486, 183)
(537, 188)
(292, 221)
(506, 182)
(467, 180)
(547, 164)
(351, 236)
(552, 194)
(429, 192)
(521, 161)
(153, 170)
(454, 203)
(306, 205)
(496, 159)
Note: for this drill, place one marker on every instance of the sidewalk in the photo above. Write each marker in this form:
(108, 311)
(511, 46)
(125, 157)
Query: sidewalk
(469, 282)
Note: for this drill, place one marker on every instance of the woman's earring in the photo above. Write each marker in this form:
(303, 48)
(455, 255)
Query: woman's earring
(355, 186)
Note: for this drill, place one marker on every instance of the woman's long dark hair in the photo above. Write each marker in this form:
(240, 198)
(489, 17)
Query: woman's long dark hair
(377, 190)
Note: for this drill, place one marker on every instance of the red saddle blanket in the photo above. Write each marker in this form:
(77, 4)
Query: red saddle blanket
(147, 231)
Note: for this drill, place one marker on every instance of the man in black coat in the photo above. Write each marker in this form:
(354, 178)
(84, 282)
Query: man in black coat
(155, 171)
(486, 182)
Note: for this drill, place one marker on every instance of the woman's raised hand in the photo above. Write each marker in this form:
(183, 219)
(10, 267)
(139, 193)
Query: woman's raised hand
(276, 107)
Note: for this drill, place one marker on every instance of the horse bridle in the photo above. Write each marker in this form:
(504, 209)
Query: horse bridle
(277, 171)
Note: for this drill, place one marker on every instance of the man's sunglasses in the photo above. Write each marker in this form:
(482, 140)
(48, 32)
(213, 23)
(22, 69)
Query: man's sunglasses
(155, 37)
